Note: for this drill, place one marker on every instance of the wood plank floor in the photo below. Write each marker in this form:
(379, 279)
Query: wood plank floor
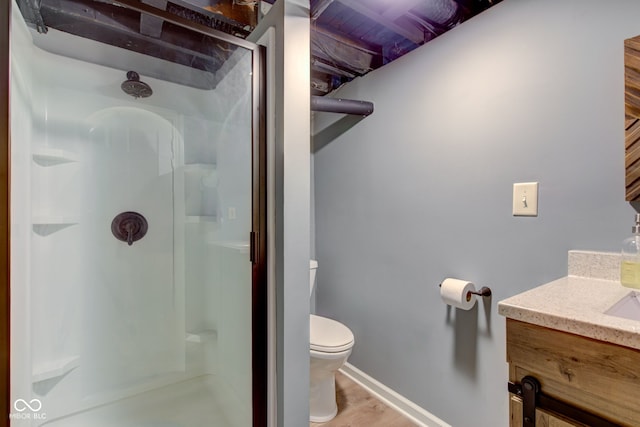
(358, 408)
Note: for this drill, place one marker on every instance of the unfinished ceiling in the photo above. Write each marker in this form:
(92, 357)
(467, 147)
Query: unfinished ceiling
(349, 38)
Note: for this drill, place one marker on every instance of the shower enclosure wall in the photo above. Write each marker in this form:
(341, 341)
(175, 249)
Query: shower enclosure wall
(148, 332)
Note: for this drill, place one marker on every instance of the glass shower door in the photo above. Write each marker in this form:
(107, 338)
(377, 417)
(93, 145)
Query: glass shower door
(133, 277)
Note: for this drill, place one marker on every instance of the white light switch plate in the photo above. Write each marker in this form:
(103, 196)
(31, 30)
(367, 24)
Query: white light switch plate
(525, 199)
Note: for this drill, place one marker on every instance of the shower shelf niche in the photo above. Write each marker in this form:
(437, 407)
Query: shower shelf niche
(201, 174)
(201, 336)
(197, 219)
(44, 225)
(55, 369)
(54, 220)
(199, 167)
(52, 157)
(200, 192)
(241, 246)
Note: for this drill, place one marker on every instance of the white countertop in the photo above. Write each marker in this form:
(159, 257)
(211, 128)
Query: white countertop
(576, 304)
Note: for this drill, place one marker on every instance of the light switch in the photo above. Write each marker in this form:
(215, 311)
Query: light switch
(525, 199)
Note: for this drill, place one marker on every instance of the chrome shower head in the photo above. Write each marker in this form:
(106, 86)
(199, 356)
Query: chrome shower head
(134, 87)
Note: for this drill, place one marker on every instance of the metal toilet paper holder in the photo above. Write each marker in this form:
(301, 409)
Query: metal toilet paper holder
(483, 292)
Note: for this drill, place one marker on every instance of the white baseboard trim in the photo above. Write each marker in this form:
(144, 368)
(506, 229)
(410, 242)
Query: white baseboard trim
(415, 413)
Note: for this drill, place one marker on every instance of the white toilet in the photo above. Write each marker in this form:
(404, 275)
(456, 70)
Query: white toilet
(330, 346)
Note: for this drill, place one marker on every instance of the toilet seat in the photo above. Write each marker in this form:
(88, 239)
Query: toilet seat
(329, 336)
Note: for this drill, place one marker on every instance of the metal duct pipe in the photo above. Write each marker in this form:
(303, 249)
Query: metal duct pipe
(344, 106)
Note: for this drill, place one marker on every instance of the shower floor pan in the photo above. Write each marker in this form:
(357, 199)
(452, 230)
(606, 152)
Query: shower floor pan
(204, 401)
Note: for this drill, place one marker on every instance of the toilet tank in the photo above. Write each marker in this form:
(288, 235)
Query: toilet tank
(313, 266)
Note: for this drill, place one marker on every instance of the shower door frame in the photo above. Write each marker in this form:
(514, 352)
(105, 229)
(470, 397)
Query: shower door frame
(257, 238)
(5, 302)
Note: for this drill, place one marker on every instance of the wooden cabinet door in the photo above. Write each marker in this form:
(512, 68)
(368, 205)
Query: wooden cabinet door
(595, 376)
(543, 418)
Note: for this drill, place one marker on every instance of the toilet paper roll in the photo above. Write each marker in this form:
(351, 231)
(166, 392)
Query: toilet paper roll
(455, 292)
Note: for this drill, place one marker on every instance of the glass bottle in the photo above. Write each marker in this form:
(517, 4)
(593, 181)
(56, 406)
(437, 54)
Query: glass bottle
(630, 265)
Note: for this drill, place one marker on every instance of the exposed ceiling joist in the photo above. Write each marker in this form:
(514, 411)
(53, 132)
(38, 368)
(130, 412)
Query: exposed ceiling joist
(409, 32)
(429, 26)
(320, 7)
(109, 24)
(150, 25)
(399, 8)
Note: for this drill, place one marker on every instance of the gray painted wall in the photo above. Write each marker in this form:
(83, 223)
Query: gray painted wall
(531, 90)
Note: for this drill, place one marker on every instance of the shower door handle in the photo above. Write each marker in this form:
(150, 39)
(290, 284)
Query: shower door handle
(253, 247)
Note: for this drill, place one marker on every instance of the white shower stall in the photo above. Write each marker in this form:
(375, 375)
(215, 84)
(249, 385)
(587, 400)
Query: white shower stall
(150, 332)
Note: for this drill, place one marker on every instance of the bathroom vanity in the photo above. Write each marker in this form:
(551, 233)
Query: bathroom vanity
(573, 348)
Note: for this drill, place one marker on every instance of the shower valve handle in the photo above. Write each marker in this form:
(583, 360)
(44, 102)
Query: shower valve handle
(129, 227)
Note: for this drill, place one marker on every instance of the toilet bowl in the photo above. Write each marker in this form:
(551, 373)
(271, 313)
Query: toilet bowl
(330, 345)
